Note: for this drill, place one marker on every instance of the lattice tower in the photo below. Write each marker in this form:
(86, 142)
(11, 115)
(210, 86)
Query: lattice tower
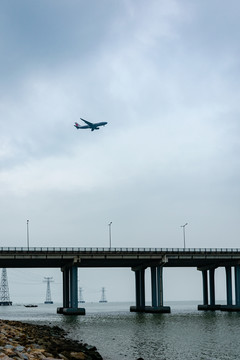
(4, 290)
(103, 297)
(48, 292)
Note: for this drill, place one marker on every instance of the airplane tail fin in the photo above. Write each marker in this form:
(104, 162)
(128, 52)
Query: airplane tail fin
(76, 125)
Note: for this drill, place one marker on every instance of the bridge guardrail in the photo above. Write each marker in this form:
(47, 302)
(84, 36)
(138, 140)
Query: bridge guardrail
(120, 249)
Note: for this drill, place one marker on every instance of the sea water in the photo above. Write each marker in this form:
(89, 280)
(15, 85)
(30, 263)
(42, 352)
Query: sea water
(185, 334)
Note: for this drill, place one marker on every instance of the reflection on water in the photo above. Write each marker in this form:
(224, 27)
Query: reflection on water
(119, 334)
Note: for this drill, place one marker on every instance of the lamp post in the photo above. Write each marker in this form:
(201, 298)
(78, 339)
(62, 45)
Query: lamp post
(183, 226)
(28, 234)
(110, 234)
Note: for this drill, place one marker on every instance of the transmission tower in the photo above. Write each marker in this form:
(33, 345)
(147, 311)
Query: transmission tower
(48, 293)
(103, 297)
(4, 291)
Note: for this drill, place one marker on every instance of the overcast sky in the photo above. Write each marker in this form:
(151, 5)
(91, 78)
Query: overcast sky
(165, 76)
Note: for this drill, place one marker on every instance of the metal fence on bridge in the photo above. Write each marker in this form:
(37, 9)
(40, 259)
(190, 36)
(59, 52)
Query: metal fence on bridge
(121, 249)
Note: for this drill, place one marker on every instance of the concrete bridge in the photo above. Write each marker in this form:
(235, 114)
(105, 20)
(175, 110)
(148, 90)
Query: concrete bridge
(138, 259)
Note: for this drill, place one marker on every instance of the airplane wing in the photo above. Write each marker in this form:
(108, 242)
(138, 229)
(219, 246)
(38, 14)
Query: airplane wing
(87, 122)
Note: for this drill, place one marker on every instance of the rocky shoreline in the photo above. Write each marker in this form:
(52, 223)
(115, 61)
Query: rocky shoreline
(24, 341)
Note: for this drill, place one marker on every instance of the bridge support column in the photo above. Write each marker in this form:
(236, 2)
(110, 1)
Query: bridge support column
(70, 292)
(230, 306)
(142, 288)
(139, 290)
(157, 291)
(160, 286)
(154, 286)
(206, 305)
(65, 273)
(229, 285)
(205, 287)
(160, 307)
(237, 284)
(212, 286)
(74, 287)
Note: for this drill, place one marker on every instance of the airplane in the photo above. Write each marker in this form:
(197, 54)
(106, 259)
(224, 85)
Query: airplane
(92, 126)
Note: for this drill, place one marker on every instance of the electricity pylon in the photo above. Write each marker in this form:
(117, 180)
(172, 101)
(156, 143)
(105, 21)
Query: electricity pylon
(48, 293)
(4, 291)
(103, 298)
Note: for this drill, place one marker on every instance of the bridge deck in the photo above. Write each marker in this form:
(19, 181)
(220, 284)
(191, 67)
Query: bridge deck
(117, 257)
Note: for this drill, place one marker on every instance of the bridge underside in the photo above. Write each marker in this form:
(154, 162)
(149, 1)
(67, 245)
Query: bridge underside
(50, 261)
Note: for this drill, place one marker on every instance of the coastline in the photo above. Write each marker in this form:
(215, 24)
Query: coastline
(20, 340)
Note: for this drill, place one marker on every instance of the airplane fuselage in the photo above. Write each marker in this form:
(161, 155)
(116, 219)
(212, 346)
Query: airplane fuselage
(92, 126)
(103, 123)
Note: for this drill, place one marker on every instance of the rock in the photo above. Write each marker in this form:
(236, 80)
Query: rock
(9, 352)
(23, 341)
(78, 355)
(90, 347)
(62, 357)
(23, 356)
(19, 348)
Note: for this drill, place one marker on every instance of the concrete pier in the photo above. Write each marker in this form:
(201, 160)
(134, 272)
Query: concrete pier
(212, 306)
(229, 306)
(70, 292)
(205, 287)
(157, 291)
(228, 270)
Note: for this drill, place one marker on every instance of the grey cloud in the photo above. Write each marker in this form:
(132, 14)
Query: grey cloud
(44, 35)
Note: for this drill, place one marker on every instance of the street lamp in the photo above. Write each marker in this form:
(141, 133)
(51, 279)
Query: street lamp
(110, 234)
(183, 226)
(28, 234)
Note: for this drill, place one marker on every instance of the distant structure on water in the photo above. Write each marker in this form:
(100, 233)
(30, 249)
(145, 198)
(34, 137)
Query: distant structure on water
(81, 300)
(48, 293)
(103, 297)
(4, 291)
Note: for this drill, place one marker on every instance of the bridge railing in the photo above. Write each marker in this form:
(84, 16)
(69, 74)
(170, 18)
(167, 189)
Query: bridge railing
(118, 249)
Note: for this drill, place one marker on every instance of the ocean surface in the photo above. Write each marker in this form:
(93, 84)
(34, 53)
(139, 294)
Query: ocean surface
(185, 334)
